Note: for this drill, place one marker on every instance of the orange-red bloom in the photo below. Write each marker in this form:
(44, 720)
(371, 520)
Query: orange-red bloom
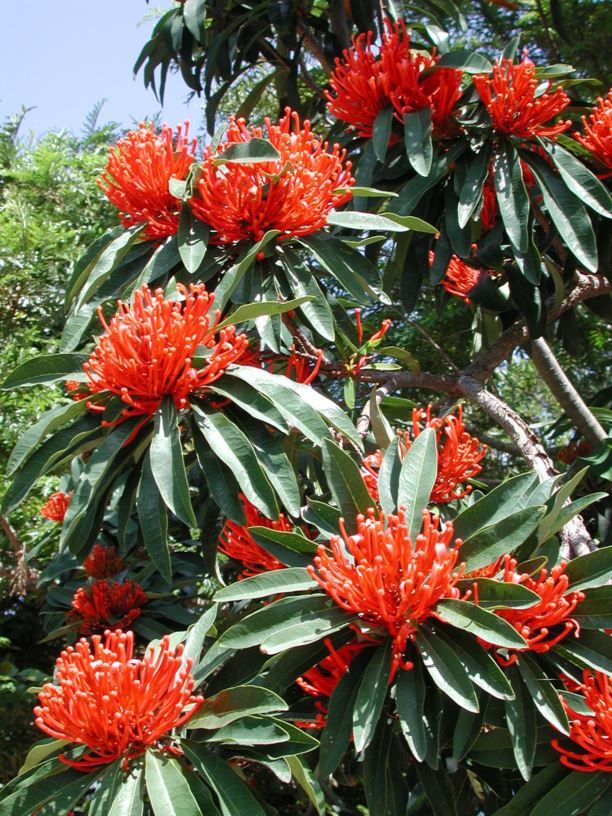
(56, 506)
(363, 84)
(553, 610)
(236, 541)
(590, 732)
(113, 703)
(459, 455)
(147, 349)
(490, 208)
(103, 562)
(391, 582)
(294, 194)
(598, 131)
(461, 278)
(137, 175)
(514, 108)
(106, 605)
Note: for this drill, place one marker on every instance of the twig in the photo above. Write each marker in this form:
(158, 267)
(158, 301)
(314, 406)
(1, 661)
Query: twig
(435, 344)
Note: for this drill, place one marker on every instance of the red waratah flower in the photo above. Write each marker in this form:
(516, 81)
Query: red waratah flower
(113, 703)
(390, 581)
(460, 278)
(103, 562)
(106, 605)
(459, 455)
(598, 131)
(137, 175)
(294, 194)
(511, 100)
(590, 732)
(553, 610)
(146, 350)
(56, 506)
(236, 541)
(362, 84)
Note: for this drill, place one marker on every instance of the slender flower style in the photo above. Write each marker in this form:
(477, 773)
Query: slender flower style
(294, 194)
(137, 175)
(236, 541)
(56, 506)
(303, 369)
(598, 131)
(553, 610)
(107, 605)
(511, 98)
(103, 562)
(147, 349)
(592, 733)
(459, 455)
(114, 703)
(391, 582)
(364, 83)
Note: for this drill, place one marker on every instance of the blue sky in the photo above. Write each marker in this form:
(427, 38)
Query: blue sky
(62, 56)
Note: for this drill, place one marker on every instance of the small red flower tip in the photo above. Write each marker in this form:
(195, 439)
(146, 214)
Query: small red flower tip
(147, 348)
(295, 194)
(513, 105)
(114, 703)
(103, 562)
(106, 605)
(387, 579)
(591, 733)
(459, 455)
(76, 390)
(597, 135)
(138, 173)
(56, 506)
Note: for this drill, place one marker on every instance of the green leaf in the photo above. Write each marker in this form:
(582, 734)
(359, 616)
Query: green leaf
(167, 464)
(378, 783)
(543, 694)
(471, 189)
(251, 401)
(234, 275)
(47, 369)
(530, 794)
(346, 484)
(490, 543)
(388, 478)
(371, 697)
(579, 179)
(500, 502)
(573, 795)
(267, 585)
(446, 670)
(512, 196)
(417, 139)
(192, 240)
(252, 152)
(471, 62)
(292, 549)
(107, 790)
(481, 668)
(40, 751)
(438, 789)
(592, 648)
(62, 787)
(521, 721)
(329, 410)
(410, 222)
(417, 478)
(494, 594)
(233, 703)
(306, 629)
(249, 311)
(381, 132)
(196, 635)
(153, 520)
(365, 192)
(467, 730)
(592, 570)
(194, 15)
(595, 612)
(349, 219)
(88, 260)
(108, 261)
(479, 622)
(165, 258)
(167, 788)
(414, 190)
(304, 777)
(250, 731)
(315, 306)
(410, 693)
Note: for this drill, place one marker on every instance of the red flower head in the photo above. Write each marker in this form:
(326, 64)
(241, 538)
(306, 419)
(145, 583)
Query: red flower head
(113, 703)
(146, 350)
(590, 732)
(385, 578)
(137, 175)
(554, 608)
(459, 455)
(490, 208)
(236, 541)
(513, 105)
(294, 194)
(461, 278)
(56, 506)
(103, 562)
(598, 131)
(106, 605)
(76, 390)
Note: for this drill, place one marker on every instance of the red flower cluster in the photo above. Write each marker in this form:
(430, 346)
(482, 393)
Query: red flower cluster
(459, 455)
(137, 175)
(510, 97)
(554, 608)
(115, 704)
(353, 366)
(103, 562)
(76, 390)
(236, 541)
(574, 450)
(56, 506)
(590, 732)
(363, 84)
(598, 131)
(146, 350)
(294, 194)
(106, 605)
(388, 580)
(460, 278)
